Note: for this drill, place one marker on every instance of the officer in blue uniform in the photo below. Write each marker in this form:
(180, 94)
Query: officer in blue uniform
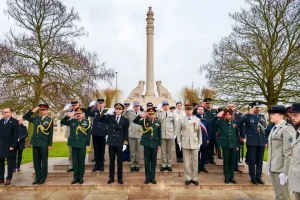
(99, 132)
(255, 125)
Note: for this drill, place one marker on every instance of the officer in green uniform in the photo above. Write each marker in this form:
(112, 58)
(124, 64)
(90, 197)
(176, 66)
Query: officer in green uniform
(229, 141)
(41, 141)
(151, 140)
(79, 140)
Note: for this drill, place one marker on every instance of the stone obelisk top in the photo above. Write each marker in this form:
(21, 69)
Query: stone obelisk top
(150, 56)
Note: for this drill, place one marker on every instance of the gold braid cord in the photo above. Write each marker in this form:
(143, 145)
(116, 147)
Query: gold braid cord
(43, 129)
(83, 130)
(147, 128)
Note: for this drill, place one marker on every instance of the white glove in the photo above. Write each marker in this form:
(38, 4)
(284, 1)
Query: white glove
(159, 106)
(179, 144)
(67, 107)
(110, 111)
(199, 147)
(283, 179)
(174, 137)
(124, 147)
(269, 174)
(92, 103)
(106, 137)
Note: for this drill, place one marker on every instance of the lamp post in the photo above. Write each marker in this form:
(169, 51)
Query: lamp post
(116, 87)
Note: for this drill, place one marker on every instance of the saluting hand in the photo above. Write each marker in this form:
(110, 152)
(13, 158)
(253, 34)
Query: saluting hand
(71, 114)
(35, 109)
(143, 115)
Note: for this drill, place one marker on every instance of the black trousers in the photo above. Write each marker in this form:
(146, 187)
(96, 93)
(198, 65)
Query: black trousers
(255, 156)
(40, 162)
(211, 146)
(150, 158)
(202, 157)
(178, 152)
(18, 158)
(99, 150)
(10, 168)
(113, 152)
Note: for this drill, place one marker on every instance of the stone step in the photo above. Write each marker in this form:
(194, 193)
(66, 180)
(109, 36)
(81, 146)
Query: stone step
(207, 181)
(127, 165)
(141, 173)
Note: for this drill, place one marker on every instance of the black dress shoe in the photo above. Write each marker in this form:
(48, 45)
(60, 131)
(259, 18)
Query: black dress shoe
(147, 181)
(181, 160)
(162, 169)
(132, 169)
(41, 182)
(74, 181)
(232, 181)
(35, 182)
(195, 182)
(95, 169)
(240, 171)
(101, 169)
(120, 181)
(153, 181)
(212, 162)
(226, 181)
(199, 171)
(187, 182)
(137, 169)
(110, 181)
(254, 182)
(259, 181)
(178, 160)
(70, 170)
(220, 157)
(80, 181)
(204, 170)
(169, 169)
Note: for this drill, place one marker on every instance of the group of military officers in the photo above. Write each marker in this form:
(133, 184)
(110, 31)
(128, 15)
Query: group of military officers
(199, 132)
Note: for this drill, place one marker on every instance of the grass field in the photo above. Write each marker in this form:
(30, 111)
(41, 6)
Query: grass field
(59, 149)
(265, 153)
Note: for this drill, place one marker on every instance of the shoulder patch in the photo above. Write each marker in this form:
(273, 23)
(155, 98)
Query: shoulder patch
(290, 139)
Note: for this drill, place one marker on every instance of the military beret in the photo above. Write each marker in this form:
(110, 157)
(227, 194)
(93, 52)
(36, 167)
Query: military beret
(43, 106)
(227, 110)
(119, 106)
(100, 100)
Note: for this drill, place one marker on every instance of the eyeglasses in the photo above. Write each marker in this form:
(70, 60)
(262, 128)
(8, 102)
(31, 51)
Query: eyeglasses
(150, 113)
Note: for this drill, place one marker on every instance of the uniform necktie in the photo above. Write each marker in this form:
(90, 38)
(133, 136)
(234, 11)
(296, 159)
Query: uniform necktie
(166, 114)
(5, 121)
(189, 118)
(117, 119)
(274, 128)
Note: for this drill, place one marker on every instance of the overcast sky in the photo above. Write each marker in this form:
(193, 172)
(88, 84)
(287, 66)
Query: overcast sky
(185, 32)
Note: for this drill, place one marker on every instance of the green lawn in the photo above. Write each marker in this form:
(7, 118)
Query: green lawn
(59, 149)
(265, 154)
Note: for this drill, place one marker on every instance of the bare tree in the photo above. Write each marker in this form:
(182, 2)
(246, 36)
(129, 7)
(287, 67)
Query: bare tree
(260, 59)
(43, 62)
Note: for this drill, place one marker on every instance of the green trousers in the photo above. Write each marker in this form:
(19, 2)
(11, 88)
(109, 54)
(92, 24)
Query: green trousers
(78, 158)
(150, 157)
(229, 155)
(40, 162)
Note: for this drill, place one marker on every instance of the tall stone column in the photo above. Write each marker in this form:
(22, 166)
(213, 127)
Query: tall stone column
(150, 56)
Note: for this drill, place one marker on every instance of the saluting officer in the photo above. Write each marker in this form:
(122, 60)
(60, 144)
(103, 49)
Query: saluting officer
(229, 141)
(168, 126)
(151, 140)
(79, 140)
(117, 139)
(255, 125)
(69, 108)
(134, 136)
(99, 133)
(41, 141)
(190, 142)
(294, 174)
(279, 154)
